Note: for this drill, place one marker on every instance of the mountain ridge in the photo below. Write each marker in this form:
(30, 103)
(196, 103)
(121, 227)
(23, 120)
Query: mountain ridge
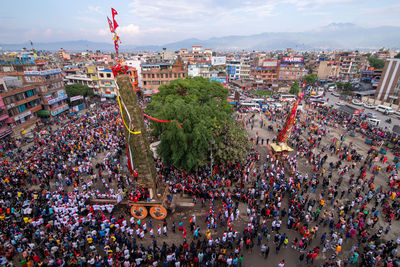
(335, 36)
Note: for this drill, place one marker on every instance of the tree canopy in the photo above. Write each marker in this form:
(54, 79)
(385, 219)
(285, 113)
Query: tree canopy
(376, 63)
(397, 56)
(294, 89)
(78, 89)
(205, 115)
(310, 78)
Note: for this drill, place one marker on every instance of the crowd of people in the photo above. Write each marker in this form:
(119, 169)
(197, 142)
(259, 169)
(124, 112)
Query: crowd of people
(267, 205)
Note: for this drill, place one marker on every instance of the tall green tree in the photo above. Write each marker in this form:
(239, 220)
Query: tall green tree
(78, 89)
(310, 79)
(295, 88)
(376, 63)
(201, 108)
(397, 56)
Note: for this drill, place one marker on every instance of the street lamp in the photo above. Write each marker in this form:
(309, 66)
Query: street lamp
(211, 157)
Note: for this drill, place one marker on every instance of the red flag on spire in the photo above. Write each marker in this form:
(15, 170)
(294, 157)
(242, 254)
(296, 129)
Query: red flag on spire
(114, 12)
(115, 24)
(111, 25)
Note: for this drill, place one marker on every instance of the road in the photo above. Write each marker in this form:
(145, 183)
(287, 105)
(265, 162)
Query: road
(380, 116)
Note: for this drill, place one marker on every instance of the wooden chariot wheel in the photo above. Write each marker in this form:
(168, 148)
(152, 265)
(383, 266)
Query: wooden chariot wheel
(138, 211)
(158, 212)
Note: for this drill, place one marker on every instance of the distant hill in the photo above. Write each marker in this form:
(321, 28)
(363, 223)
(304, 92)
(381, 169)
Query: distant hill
(333, 36)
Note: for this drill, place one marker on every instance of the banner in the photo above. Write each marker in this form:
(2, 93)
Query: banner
(154, 119)
(74, 98)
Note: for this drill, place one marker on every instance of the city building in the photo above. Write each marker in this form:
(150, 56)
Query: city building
(266, 73)
(201, 69)
(327, 70)
(22, 103)
(233, 69)
(389, 85)
(156, 74)
(348, 62)
(5, 130)
(218, 61)
(292, 68)
(64, 55)
(51, 89)
(106, 83)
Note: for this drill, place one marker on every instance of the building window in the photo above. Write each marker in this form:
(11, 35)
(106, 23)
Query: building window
(108, 75)
(175, 75)
(152, 75)
(101, 75)
(170, 75)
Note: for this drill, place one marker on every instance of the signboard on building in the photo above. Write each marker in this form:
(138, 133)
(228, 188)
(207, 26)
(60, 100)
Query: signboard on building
(270, 63)
(22, 115)
(43, 72)
(59, 110)
(215, 61)
(292, 59)
(60, 96)
(74, 98)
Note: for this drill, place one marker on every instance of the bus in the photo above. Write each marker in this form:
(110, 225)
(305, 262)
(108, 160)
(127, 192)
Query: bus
(284, 98)
(252, 107)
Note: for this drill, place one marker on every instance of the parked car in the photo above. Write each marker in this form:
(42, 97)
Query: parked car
(367, 105)
(374, 122)
(371, 115)
(336, 94)
(339, 103)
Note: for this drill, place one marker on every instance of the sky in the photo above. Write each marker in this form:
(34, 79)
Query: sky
(157, 22)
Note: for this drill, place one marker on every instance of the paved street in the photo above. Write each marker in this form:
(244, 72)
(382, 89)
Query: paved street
(380, 116)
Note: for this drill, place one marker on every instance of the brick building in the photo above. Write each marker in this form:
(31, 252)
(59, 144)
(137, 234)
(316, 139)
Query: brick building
(389, 85)
(156, 74)
(22, 103)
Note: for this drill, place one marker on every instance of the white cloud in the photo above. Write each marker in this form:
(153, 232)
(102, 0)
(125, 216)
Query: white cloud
(95, 9)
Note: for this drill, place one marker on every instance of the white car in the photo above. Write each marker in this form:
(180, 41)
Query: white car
(339, 103)
(356, 102)
(367, 105)
(336, 94)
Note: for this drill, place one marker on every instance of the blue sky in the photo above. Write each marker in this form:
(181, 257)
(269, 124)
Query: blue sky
(144, 22)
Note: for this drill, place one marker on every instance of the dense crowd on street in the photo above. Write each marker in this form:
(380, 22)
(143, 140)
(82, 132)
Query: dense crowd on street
(46, 218)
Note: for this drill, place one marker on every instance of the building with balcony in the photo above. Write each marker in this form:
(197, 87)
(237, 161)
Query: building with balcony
(22, 103)
(5, 130)
(267, 73)
(51, 89)
(389, 85)
(292, 68)
(156, 74)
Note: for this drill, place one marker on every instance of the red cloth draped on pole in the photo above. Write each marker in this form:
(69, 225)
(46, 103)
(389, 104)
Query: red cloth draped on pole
(154, 119)
(283, 135)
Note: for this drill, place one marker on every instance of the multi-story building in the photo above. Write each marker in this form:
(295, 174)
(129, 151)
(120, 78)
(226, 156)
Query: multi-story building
(63, 54)
(51, 89)
(5, 130)
(22, 103)
(156, 74)
(348, 62)
(389, 85)
(267, 72)
(200, 69)
(328, 70)
(292, 68)
(106, 83)
(244, 71)
(233, 69)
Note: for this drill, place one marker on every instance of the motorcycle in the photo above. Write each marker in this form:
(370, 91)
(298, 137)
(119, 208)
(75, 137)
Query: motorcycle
(389, 120)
